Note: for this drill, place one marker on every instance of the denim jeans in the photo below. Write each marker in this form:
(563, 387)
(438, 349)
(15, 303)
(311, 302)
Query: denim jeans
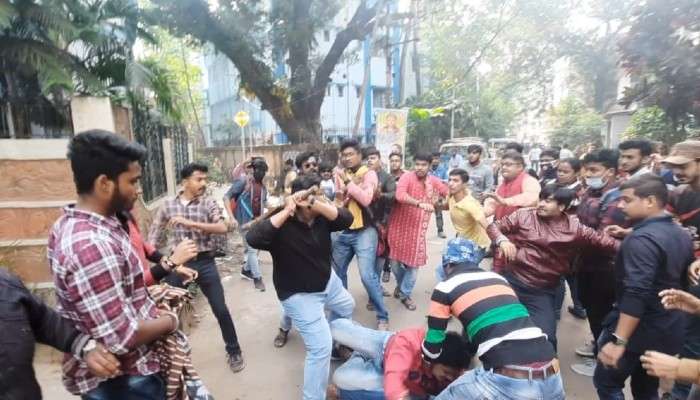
(405, 278)
(362, 376)
(210, 283)
(306, 310)
(610, 382)
(252, 263)
(691, 348)
(132, 387)
(363, 244)
(479, 384)
(540, 305)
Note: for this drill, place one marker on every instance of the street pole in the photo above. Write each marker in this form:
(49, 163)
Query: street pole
(452, 124)
(243, 142)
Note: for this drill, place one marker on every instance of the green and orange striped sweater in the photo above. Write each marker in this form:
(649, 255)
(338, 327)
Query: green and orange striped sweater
(496, 323)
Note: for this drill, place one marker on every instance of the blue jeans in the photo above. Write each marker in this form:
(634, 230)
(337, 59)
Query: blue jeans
(691, 347)
(610, 382)
(251, 258)
(405, 278)
(363, 244)
(132, 387)
(479, 384)
(306, 311)
(362, 376)
(210, 283)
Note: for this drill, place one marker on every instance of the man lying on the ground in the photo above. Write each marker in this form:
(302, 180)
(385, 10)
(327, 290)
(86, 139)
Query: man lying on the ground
(517, 360)
(387, 365)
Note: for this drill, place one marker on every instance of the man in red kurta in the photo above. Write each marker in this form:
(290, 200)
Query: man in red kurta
(416, 194)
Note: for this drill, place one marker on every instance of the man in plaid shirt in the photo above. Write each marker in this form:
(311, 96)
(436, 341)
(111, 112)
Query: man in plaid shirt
(98, 275)
(194, 215)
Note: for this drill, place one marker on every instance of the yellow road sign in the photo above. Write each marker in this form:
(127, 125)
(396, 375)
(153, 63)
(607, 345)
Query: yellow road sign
(241, 118)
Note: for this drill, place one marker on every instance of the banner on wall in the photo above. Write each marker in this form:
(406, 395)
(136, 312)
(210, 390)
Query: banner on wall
(391, 131)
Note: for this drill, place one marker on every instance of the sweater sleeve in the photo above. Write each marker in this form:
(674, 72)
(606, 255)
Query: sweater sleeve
(398, 359)
(438, 317)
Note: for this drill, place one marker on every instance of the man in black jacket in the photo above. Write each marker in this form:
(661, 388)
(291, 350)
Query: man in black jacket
(299, 239)
(655, 256)
(25, 320)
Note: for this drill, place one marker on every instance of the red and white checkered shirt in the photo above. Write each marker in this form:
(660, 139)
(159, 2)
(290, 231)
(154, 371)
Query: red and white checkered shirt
(202, 209)
(100, 287)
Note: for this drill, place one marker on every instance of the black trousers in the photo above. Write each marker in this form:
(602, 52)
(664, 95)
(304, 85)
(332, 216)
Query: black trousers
(596, 290)
(210, 283)
(439, 221)
(540, 304)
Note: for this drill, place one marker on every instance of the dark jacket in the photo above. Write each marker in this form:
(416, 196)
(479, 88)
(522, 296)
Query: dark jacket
(381, 206)
(546, 246)
(654, 257)
(25, 320)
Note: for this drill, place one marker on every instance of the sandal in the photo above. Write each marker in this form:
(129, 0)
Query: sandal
(281, 338)
(408, 303)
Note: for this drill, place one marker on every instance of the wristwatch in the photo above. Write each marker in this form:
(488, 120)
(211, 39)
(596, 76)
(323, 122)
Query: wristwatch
(89, 346)
(618, 341)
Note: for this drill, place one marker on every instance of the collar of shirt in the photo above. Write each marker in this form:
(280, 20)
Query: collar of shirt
(195, 200)
(73, 212)
(651, 220)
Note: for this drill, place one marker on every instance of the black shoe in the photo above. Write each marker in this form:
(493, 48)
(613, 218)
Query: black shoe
(577, 312)
(386, 276)
(281, 338)
(259, 284)
(246, 275)
(235, 362)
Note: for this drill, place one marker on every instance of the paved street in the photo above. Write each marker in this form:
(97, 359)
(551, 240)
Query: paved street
(274, 374)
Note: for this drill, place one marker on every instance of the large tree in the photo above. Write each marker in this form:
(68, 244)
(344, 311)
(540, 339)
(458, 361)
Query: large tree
(255, 37)
(661, 51)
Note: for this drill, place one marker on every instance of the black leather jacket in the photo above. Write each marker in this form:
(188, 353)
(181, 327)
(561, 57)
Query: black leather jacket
(25, 320)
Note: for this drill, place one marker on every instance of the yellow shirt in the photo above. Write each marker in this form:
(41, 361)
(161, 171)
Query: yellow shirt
(465, 216)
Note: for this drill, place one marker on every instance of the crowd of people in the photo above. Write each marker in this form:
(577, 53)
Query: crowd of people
(618, 226)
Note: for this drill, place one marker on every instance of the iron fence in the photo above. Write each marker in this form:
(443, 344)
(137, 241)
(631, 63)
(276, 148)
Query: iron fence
(35, 121)
(150, 133)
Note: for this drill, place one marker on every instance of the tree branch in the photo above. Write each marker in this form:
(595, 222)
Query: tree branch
(183, 17)
(358, 27)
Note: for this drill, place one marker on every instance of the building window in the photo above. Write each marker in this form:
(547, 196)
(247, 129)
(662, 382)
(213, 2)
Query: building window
(326, 35)
(378, 97)
(328, 91)
(340, 90)
(358, 91)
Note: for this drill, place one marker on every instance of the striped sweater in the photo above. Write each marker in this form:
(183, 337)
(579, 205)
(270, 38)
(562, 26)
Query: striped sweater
(495, 322)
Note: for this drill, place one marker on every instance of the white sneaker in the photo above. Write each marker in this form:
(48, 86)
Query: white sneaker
(586, 368)
(586, 350)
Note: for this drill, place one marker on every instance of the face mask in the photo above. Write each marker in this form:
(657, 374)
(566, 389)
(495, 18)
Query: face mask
(595, 183)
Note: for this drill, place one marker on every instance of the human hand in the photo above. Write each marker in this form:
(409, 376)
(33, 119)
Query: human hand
(694, 272)
(183, 252)
(660, 365)
(102, 363)
(426, 207)
(610, 354)
(187, 274)
(178, 220)
(290, 204)
(617, 231)
(509, 250)
(498, 199)
(674, 299)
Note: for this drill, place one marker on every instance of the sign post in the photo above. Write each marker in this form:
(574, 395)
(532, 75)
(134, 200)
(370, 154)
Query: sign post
(241, 119)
